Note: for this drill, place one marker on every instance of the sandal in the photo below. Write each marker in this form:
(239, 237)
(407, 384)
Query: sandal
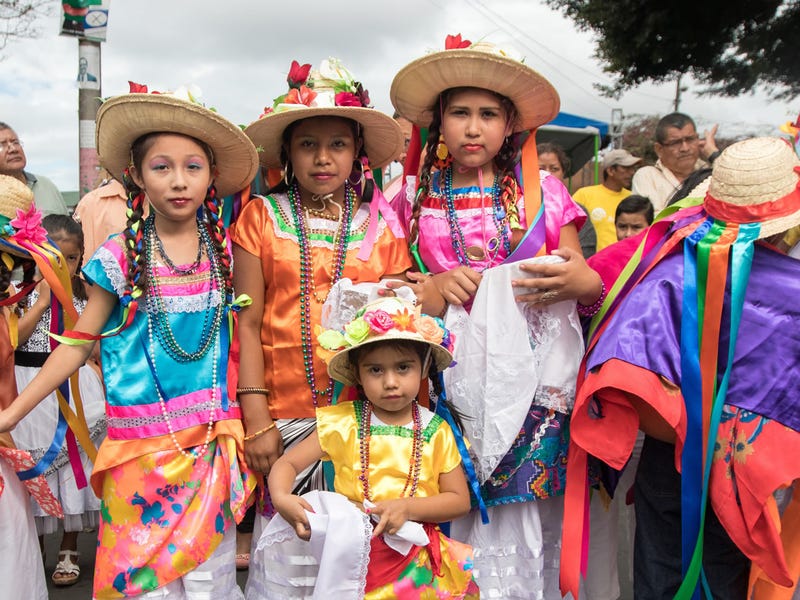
(67, 571)
(243, 561)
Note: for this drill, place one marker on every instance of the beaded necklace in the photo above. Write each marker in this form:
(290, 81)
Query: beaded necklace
(212, 315)
(499, 216)
(172, 266)
(415, 461)
(341, 240)
(159, 328)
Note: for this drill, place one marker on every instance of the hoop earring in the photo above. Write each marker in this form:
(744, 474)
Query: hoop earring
(359, 182)
(443, 157)
(288, 174)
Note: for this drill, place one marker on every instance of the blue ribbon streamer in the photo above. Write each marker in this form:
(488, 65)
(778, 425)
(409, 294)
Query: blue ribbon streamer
(55, 446)
(443, 411)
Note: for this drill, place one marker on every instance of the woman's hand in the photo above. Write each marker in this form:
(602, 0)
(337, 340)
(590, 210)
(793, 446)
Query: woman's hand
(261, 452)
(392, 513)
(293, 509)
(551, 283)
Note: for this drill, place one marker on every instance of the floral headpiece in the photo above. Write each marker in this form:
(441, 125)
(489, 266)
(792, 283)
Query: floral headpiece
(20, 222)
(383, 320)
(331, 85)
(793, 130)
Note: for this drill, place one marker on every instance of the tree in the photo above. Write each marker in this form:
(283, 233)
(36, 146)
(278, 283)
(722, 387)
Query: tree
(730, 46)
(18, 19)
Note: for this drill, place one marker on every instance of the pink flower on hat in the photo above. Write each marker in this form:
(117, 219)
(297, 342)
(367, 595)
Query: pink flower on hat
(347, 99)
(29, 227)
(379, 321)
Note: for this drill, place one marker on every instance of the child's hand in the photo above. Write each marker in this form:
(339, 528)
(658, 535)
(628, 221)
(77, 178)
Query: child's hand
(293, 509)
(43, 301)
(261, 453)
(550, 283)
(393, 513)
(458, 285)
(426, 292)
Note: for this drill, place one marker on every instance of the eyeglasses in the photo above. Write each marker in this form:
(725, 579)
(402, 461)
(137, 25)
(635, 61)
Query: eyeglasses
(689, 139)
(9, 145)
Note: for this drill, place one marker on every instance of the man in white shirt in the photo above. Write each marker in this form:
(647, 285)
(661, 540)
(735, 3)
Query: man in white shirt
(680, 151)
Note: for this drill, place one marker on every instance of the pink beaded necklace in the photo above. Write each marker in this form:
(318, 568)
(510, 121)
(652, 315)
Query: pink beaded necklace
(415, 460)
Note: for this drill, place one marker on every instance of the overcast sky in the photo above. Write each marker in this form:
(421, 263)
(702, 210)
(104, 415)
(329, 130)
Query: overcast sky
(239, 52)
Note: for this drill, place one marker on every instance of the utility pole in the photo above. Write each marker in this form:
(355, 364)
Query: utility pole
(678, 90)
(89, 94)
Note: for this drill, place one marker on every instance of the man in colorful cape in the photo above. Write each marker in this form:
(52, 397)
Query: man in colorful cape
(700, 350)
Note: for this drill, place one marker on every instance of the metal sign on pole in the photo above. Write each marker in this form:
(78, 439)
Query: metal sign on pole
(87, 21)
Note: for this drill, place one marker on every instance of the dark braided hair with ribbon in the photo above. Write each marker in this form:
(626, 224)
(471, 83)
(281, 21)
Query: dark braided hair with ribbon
(505, 160)
(136, 280)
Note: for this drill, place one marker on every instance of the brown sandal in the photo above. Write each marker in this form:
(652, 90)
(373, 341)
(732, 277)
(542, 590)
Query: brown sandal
(67, 571)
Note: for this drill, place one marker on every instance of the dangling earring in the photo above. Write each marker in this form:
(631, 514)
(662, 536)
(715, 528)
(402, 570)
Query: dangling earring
(288, 174)
(358, 167)
(443, 157)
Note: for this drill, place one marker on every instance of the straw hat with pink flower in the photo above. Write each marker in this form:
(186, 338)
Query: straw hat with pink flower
(382, 320)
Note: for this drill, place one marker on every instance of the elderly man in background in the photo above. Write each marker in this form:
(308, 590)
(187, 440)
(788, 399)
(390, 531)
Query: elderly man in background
(680, 152)
(46, 196)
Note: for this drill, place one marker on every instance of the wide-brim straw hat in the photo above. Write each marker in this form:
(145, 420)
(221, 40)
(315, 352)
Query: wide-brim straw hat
(14, 196)
(340, 366)
(383, 138)
(756, 180)
(123, 119)
(416, 88)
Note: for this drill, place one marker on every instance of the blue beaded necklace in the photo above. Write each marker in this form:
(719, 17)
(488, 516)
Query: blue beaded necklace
(499, 217)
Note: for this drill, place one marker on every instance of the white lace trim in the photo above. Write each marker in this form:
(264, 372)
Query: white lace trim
(188, 304)
(112, 269)
(439, 213)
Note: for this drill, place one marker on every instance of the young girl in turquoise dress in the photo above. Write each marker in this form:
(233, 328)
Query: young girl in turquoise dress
(392, 457)
(481, 218)
(170, 474)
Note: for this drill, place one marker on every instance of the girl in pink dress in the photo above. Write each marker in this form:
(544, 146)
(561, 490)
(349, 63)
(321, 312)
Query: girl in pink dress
(480, 206)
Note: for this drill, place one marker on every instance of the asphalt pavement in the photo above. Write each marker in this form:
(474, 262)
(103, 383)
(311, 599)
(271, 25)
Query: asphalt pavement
(87, 546)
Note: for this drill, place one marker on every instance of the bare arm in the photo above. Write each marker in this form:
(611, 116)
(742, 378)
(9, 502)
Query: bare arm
(451, 502)
(281, 481)
(64, 360)
(262, 451)
(27, 322)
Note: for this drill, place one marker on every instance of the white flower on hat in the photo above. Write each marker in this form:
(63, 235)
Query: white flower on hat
(332, 68)
(191, 93)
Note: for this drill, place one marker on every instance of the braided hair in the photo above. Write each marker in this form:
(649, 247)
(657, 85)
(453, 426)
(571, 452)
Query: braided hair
(505, 160)
(369, 185)
(133, 235)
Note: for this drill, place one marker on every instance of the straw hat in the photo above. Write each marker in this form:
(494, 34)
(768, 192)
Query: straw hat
(417, 86)
(756, 180)
(123, 119)
(330, 91)
(14, 196)
(382, 320)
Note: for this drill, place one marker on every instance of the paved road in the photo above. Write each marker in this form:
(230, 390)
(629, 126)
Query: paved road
(87, 545)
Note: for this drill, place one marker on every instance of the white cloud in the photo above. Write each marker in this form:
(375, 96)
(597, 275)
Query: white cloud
(239, 52)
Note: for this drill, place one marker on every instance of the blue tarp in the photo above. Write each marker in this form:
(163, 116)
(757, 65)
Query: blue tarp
(580, 137)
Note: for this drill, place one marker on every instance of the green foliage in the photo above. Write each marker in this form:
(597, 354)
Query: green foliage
(729, 45)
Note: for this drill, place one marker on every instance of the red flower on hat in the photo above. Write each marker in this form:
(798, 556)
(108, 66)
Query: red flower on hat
(137, 88)
(298, 74)
(454, 42)
(302, 95)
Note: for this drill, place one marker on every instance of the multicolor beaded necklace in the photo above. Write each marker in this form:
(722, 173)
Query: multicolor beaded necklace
(212, 315)
(341, 241)
(415, 461)
(159, 328)
(499, 216)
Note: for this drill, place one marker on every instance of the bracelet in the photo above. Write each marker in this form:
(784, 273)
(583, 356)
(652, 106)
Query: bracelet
(592, 309)
(713, 156)
(253, 436)
(252, 390)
